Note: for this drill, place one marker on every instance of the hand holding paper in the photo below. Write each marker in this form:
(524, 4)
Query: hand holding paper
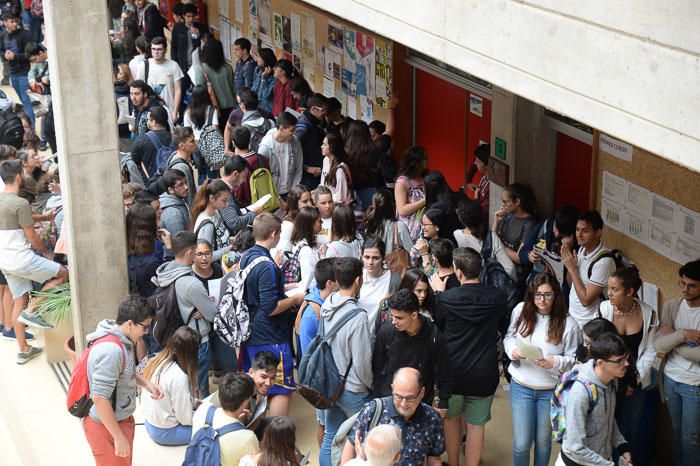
(258, 205)
(529, 351)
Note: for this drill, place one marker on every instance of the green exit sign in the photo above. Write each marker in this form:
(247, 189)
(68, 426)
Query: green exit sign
(500, 149)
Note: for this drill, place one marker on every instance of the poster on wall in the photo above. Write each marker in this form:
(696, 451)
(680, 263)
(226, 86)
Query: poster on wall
(349, 49)
(223, 9)
(335, 36)
(264, 21)
(296, 34)
(348, 82)
(332, 68)
(366, 110)
(225, 36)
(277, 30)
(286, 34)
(253, 13)
(364, 67)
(383, 79)
(308, 44)
(476, 105)
(238, 6)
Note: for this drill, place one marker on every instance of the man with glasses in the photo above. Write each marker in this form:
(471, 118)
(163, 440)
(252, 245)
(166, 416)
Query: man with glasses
(109, 427)
(468, 317)
(175, 214)
(196, 307)
(310, 132)
(422, 433)
(164, 76)
(678, 337)
(591, 430)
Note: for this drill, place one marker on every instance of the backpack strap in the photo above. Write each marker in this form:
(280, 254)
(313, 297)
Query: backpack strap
(378, 407)
(317, 310)
(602, 254)
(145, 70)
(154, 139)
(338, 325)
(223, 430)
(112, 339)
(210, 116)
(201, 225)
(487, 246)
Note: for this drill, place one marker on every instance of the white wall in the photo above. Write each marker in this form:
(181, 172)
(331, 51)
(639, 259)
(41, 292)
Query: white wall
(630, 69)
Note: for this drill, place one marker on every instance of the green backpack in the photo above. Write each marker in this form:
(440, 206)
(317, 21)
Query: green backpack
(261, 183)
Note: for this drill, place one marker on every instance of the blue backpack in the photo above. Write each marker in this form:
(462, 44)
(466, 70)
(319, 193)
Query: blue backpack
(162, 152)
(320, 381)
(203, 449)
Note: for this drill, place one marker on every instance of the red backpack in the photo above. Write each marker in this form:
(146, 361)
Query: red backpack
(78, 399)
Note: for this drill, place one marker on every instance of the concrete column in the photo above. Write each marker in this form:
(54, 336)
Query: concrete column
(84, 109)
(503, 112)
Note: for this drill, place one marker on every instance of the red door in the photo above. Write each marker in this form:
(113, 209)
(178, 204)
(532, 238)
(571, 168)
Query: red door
(573, 173)
(446, 127)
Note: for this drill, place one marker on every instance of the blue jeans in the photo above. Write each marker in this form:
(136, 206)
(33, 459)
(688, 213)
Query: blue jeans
(348, 404)
(178, 435)
(203, 170)
(530, 411)
(684, 407)
(21, 84)
(223, 356)
(636, 418)
(203, 376)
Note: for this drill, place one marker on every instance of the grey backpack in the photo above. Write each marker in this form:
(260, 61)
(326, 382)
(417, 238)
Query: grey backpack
(211, 144)
(341, 435)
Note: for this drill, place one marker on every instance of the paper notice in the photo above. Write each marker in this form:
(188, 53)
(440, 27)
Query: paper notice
(215, 289)
(662, 209)
(328, 86)
(661, 239)
(650, 295)
(637, 226)
(688, 223)
(529, 351)
(639, 199)
(614, 215)
(614, 188)
(351, 110)
(685, 250)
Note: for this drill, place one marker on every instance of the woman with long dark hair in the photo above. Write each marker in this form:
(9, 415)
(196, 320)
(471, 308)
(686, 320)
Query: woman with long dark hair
(143, 53)
(284, 73)
(438, 195)
(264, 79)
(363, 159)
(345, 242)
(169, 419)
(301, 90)
(541, 341)
(205, 217)
(335, 173)
(409, 190)
(297, 198)
(381, 222)
(144, 247)
(277, 447)
(307, 224)
(433, 225)
(218, 72)
(199, 113)
(417, 281)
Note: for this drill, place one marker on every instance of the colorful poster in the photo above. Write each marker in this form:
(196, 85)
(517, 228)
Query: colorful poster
(348, 83)
(366, 110)
(349, 49)
(383, 79)
(277, 28)
(286, 34)
(335, 36)
(308, 44)
(364, 67)
(253, 16)
(264, 21)
(332, 68)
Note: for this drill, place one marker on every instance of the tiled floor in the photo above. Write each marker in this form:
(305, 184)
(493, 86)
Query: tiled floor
(35, 428)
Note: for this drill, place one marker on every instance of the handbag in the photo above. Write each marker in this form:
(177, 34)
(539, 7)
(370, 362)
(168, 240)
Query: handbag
(398, 259)
(212, 93)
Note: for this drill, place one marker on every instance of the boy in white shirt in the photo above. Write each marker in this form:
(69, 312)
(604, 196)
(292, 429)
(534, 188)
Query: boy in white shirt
(589, 270)
(283, 150)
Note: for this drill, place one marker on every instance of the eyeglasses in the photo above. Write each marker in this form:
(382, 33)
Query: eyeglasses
(545, 296)
(157, 49)
(408, 399)
(180, 185)
(688, 286)
(144, 326)
(202, 254)
(619, 361)
(427, 224)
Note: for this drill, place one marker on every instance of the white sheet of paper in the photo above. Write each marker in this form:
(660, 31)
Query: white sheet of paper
(614, 188)
(259, 411)
(639, 199)
(650, 295)
(260, 202)
(529, 351)
(352, 108)
(214, 289)
(663, 209)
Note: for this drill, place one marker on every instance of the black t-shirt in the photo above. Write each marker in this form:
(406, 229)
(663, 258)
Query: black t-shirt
(218, 273)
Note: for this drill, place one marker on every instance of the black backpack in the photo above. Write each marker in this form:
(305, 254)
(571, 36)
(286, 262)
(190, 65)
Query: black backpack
(155, 183)
(168, 318)
(493, 274)
(11, 130)
(257, 133)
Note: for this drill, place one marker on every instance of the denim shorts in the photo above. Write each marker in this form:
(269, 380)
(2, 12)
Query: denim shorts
(39, 270)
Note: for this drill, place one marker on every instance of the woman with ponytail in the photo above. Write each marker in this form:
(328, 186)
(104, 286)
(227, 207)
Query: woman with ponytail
(206, 221)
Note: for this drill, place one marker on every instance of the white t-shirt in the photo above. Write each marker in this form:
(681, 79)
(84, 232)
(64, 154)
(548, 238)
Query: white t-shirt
(373, 291)
(162, 77)
(679, 368)
(187, 121)
(324, 236)
(602, 270)
(176, 407)
(308, 257)
(341, 191)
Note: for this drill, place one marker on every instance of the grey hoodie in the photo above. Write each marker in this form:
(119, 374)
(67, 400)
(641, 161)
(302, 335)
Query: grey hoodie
(104, 368)
(351, 341)
(590, 438)
(175, 215)
(191, 295)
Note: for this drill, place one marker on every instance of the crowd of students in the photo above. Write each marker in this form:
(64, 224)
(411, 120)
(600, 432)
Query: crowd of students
(391, 258)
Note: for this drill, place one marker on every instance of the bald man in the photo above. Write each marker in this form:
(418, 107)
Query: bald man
(382, 447)
(422, 434)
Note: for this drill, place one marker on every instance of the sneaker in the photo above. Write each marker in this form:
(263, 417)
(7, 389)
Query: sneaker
(34, 319)
(24, 358)
(11, 335)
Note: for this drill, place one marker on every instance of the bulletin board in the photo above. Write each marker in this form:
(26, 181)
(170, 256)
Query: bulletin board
(655, 243)
(337, 58)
